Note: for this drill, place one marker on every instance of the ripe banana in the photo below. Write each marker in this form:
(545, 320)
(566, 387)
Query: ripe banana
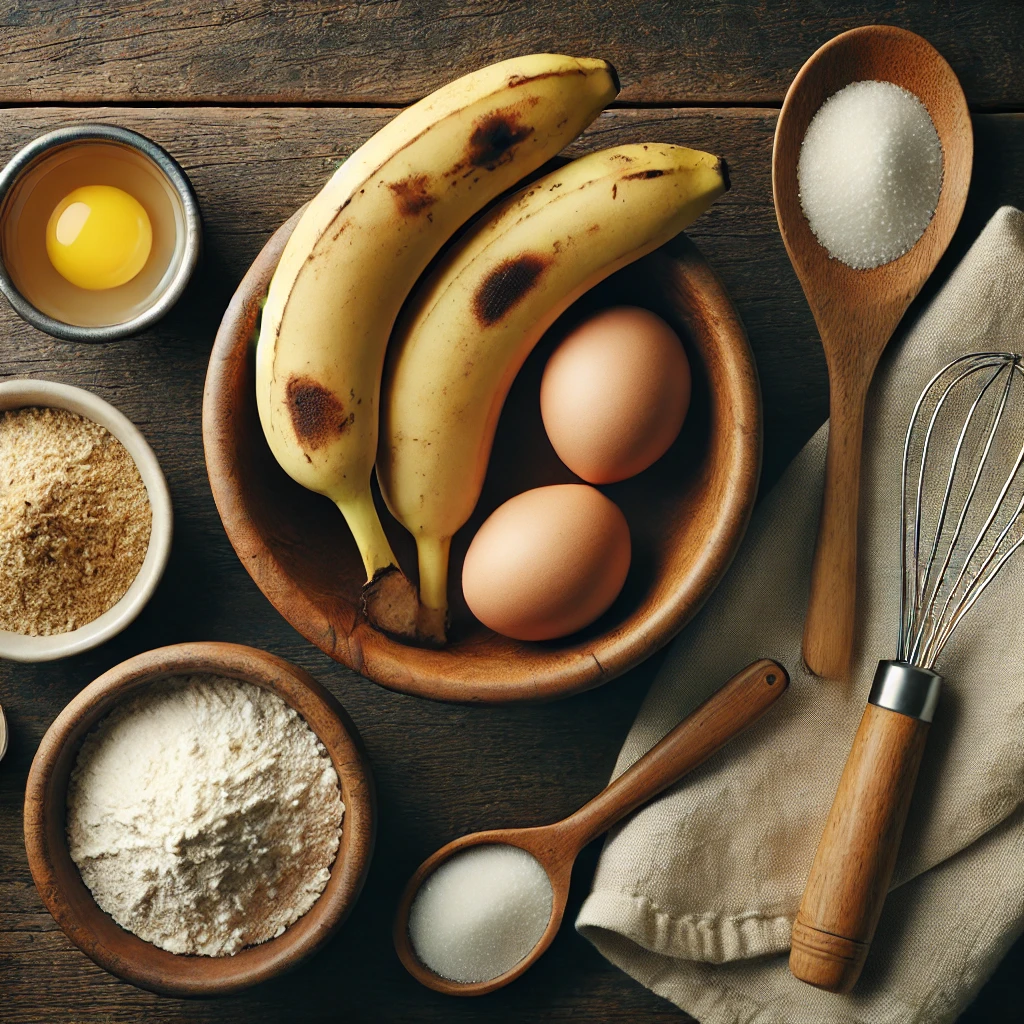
(469, 328)
(356, 253)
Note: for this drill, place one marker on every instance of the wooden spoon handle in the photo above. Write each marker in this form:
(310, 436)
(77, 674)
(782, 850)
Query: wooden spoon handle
(828, 629)
(853, 867)
(738, 704)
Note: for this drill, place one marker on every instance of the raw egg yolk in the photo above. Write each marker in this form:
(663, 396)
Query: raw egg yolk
(98, 237)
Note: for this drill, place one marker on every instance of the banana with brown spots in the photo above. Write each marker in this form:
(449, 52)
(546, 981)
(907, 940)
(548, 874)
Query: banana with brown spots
(471, 325)
(356, 253)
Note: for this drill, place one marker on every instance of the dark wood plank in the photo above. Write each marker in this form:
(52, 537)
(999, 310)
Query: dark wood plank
(394, 51)
(441, 770)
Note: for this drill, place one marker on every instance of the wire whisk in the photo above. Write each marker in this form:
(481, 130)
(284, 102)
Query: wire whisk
(962, 499)
(962, 496)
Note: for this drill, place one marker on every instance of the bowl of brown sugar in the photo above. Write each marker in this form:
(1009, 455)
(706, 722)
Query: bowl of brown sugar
(85, 521)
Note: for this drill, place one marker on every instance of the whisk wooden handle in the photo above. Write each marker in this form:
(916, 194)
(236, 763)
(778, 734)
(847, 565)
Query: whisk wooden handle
(828, 629)
(853, 867)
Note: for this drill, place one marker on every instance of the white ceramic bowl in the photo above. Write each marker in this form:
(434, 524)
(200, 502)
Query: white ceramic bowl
(16, 394)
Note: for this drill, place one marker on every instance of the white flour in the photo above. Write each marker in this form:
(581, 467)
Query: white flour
(204, 815)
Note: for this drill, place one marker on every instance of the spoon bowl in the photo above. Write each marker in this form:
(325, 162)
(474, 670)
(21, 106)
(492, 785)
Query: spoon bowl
(856, 311)
(545, 843)
(725, 714)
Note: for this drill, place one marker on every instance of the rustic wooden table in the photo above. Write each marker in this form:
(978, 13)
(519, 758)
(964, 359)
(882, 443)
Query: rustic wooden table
(258, 101)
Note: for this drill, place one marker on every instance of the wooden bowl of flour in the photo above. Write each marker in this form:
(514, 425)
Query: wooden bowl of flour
(69, 900)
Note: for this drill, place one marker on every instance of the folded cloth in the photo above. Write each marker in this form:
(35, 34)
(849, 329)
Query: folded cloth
(696, 894)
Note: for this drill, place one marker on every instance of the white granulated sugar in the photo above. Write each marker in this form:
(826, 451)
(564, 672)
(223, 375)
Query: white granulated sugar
(480, 912)
(204, 815)
(870, 172)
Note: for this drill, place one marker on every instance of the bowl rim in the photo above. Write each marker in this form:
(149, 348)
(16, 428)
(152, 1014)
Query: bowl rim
(532, 673)
(179, 180)
(178, 974)
(23, 392)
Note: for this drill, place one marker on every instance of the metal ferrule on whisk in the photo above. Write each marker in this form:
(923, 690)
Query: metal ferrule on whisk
(906, 689)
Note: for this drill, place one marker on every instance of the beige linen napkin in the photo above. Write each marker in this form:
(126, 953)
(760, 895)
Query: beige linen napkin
(695, 895)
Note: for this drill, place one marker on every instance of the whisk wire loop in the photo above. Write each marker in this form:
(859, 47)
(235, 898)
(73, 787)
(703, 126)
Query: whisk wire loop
(921, 582)
(990, 434)
(951, 513)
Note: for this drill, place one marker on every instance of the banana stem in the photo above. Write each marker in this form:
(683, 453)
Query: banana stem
(361, 516)
(433, 559)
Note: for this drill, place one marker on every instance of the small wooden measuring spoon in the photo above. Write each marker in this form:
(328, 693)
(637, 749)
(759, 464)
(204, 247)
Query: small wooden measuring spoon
(739, 703)
(856, 311)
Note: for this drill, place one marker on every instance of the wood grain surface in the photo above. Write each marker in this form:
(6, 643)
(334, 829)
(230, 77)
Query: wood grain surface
(441, 770)
(389, 52)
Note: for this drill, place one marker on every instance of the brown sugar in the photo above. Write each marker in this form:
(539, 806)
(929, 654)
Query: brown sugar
(75, 521)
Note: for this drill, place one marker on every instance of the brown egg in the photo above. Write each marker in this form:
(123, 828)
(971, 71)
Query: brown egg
(547, 562)
(615, 393)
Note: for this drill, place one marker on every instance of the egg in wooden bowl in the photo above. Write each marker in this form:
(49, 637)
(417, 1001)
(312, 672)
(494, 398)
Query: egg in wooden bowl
(89, 741)
(547, 563)
(687, 513)
(615, 394)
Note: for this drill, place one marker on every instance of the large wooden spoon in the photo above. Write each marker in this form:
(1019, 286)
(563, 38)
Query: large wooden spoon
(739, 703)
(857, 310)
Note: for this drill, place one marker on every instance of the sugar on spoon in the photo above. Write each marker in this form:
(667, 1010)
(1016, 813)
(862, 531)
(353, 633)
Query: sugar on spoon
(856, 311)
(555, 847)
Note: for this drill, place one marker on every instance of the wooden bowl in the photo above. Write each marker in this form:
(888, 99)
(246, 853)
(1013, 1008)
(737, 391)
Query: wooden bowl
(687, 513)
(72, 905)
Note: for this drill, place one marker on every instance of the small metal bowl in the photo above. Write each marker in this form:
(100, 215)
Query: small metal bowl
(58, 146)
